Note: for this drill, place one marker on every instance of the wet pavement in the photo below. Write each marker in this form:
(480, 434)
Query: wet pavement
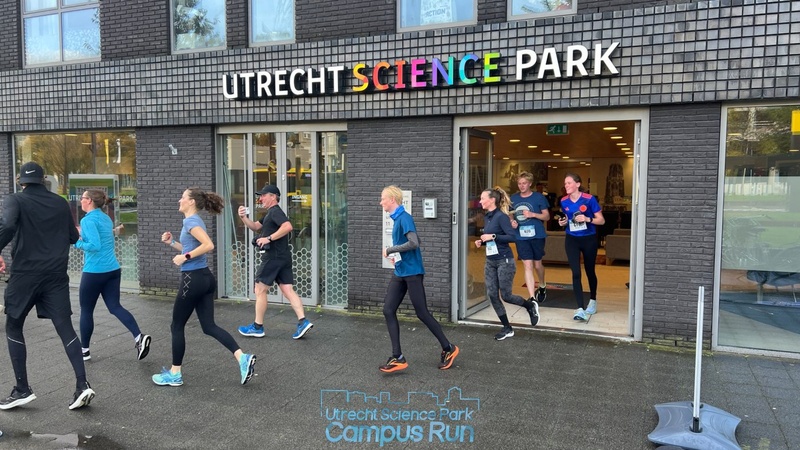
(537, 390)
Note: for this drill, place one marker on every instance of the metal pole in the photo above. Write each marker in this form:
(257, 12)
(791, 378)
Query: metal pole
(698, 357)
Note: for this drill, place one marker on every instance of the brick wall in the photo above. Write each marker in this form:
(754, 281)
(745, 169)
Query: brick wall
(10, 31)
(134, 29)
(317, 20)
(161, 179)
(6, 184)
(238, 26)
(416, 155)
(681, 220)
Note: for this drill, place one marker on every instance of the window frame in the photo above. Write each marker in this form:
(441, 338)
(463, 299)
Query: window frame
(173, 37)
(58, 11)
(510, 16)
(251, 29)
(436, 26)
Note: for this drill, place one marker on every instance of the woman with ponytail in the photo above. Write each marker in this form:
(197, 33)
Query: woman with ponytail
(500, 265)
(102, 273)
(197, 287)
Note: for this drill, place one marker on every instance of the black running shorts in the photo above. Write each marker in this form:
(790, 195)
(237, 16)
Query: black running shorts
(49, 293)
(275, 270)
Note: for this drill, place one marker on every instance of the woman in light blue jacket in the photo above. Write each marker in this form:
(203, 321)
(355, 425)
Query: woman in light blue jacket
(101, 272)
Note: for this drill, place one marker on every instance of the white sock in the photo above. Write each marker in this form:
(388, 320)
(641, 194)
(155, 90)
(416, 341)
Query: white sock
(84, 350)
(137, 338)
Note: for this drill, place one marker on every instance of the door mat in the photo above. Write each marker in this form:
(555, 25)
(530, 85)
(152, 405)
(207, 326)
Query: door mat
(562, 298)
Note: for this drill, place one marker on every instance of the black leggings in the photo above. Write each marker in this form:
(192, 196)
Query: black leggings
(107, 284)
(18, 353)
(196, 293)
(395, 293)
(575, 245)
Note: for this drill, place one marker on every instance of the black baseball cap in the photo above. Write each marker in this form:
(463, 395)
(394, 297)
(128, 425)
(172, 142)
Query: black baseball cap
(31, 173)
(269, 189)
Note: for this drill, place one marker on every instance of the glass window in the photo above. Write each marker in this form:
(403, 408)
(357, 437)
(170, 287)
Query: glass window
(198, 25)
(272, 21)
(759, 294)
(74, 162)
(426, 14)
(522, 9)
(59, 32)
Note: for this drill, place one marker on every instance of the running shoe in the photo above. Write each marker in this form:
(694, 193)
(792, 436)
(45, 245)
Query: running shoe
(592, 308)
(580, 314)
(302, 329)
(247, 364)
(251, 330)
(83, 396)
(86, 355)
(17, 398)
(394, 365)
(506, 332)
(448, 357)
(143, 347)
(533, 311)
(167, 378)
(541, 294)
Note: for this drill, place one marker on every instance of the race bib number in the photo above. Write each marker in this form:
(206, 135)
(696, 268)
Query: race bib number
(491, 248)
(577, 226)
(527, 231)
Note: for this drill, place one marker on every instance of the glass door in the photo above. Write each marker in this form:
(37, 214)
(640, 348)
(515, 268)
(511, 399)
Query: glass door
(475, 177)
(249, 161)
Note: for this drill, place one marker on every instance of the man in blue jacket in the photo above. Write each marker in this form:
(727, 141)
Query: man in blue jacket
(41, 225)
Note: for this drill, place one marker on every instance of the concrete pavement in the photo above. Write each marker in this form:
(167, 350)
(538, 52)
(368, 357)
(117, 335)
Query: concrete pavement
(537, 390)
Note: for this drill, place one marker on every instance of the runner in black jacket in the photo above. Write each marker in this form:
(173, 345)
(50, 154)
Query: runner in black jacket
(41, 225)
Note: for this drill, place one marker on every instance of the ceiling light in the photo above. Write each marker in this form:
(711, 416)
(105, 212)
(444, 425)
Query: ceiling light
(556, 154)
(513, 141)
(473, 153)
(625, 148)
(545, 151)
(622, 144)
(565, 157)
(555, 167)
(505, 157)
(588, 164)
(628, 153)
(533, 146)
(630, 156)
(609, 128)
(616, 137)
(493, 133)
(583, 162)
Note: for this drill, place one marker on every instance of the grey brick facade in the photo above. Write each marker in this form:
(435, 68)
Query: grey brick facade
(161, 180)
(683, 170)
(384, 152)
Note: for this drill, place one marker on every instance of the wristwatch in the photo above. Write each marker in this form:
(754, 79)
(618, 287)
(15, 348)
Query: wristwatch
(591, 219)
(188, 256)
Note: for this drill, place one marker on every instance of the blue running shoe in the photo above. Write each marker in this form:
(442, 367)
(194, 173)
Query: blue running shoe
(302, 329)
(580, 314)
(247, 366)
(592, 308)
(251, 330)
(167, 378)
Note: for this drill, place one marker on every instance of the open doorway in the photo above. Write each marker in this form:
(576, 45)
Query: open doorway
(604, 152)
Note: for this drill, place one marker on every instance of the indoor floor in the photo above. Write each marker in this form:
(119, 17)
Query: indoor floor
(612, 302)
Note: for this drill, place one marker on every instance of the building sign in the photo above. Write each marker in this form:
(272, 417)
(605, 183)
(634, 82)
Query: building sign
(422, 73)
(558, 129)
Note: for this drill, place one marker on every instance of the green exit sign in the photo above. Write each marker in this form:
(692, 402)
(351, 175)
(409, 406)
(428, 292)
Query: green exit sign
(557, 129)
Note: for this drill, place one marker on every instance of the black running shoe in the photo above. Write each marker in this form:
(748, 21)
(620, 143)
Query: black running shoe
(506, 332)
(83, 396)
(17, 398)
(541, 294)
(143, 347)
(533, 311)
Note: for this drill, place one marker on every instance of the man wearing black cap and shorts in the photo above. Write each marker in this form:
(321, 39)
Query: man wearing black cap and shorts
(276, 261)
(41, 225)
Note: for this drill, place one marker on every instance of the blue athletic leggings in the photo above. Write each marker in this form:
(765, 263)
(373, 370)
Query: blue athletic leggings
(107, 284)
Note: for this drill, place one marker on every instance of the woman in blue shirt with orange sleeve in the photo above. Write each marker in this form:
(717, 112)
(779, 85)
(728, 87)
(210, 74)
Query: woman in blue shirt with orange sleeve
(582, 215)
(101, 273)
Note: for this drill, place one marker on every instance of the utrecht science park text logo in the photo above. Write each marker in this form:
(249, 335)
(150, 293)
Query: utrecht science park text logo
(420, 417)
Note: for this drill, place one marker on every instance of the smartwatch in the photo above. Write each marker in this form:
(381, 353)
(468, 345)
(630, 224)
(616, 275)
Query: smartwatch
(188, 256)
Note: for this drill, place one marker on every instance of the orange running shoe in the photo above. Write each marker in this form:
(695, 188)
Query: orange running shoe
(394, 365)
(448, 357)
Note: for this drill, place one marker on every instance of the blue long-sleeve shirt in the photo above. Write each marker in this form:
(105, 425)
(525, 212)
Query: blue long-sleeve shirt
(97, 243)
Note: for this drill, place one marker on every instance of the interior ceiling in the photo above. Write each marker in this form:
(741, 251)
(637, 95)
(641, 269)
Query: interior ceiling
(584, 141)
